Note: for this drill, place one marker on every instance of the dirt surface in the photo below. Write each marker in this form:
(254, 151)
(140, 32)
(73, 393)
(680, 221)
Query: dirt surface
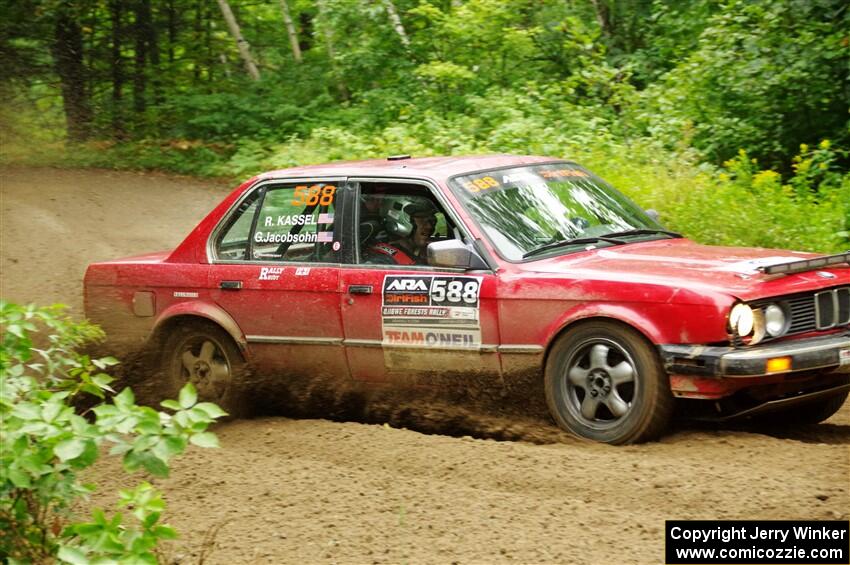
(317, 491)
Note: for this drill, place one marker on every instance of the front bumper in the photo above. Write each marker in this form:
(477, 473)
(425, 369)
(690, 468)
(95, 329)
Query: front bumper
(828, 353)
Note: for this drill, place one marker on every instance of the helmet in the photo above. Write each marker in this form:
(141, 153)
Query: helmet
(399, 215)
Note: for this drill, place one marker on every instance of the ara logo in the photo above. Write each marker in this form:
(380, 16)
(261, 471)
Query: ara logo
(408, 285)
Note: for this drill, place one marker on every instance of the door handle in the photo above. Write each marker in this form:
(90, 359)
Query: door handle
(230, 285)
(360, 289)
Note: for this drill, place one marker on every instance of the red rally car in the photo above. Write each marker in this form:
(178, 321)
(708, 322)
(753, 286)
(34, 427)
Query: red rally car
(493, 266)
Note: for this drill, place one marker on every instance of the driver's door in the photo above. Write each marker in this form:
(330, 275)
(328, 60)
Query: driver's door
(417, 323)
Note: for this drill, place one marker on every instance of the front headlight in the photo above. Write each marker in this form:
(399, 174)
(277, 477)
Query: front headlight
(741, 320)
(746, 323)
(774, 320)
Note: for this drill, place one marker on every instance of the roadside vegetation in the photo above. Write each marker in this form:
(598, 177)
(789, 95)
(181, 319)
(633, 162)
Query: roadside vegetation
(49, 441)
(728, 117)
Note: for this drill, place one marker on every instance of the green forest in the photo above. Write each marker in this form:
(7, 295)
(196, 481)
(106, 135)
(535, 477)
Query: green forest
(730, 117)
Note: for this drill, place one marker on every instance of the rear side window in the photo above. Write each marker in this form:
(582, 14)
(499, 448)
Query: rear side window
(283, 223)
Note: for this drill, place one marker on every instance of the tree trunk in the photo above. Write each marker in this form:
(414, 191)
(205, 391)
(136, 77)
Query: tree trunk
(116, 65)
(241, 44)
(603, 17)
(140, 79)
(290, 31)
(152, 44)
(306, 38)
(68, 59)
(329, 45)
(197, 41)
(396, 21)
(172, 31)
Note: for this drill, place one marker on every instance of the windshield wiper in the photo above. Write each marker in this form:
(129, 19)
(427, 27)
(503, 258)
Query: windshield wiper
(576, 241)
(643, 231)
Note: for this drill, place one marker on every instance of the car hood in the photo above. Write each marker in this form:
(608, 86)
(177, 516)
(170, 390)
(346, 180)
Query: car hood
(681, 263)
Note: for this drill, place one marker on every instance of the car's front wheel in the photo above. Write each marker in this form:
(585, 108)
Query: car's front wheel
(206, 356)
(605, 382)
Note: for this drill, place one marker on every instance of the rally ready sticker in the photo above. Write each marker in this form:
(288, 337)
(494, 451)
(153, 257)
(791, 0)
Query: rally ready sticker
(431, 311)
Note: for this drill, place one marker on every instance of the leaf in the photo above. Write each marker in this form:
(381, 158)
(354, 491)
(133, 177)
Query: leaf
(210, 409)
(27, 411)
(124, 399)
(132, 461)
(182, 418)
(34, 466)
(176, 445)
(15, 330)
(165, 532)
(120, 448)
(69, 449)
(104, 362)
(72, 555)
(102, 380)
(154, 465)
(170, 404)
(151, 519)
(99, 516)
(50, 411)
(19, 478)
(148, 428)
(93, 390)
(206, 439)
(188, 396)
(88, 456)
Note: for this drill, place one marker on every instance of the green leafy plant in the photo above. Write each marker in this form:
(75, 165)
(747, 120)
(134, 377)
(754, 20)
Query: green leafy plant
(46, 444)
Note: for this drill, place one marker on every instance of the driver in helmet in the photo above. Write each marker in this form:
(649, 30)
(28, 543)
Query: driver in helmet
(413, 223)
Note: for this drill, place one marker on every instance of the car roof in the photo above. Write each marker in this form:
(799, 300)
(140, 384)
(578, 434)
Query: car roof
(437, 168)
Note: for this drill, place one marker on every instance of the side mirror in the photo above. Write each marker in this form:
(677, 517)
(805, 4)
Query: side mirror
(653, 213)
(454, 253)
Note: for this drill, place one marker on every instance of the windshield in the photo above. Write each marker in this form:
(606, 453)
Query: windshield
(523, 209)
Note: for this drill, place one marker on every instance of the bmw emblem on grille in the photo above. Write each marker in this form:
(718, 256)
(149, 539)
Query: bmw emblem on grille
(825, 275)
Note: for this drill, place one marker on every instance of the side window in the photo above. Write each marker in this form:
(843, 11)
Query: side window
(284, 223)
(232, 243)
(398, 222)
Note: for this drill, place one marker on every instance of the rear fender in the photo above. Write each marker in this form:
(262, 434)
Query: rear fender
(204, 311)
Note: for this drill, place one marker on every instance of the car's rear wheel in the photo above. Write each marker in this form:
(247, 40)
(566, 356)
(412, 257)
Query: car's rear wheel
(604, 382)
(206, 356)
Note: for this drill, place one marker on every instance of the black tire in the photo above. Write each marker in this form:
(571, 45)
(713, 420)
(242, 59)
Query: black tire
(605, 382)
(807, 414)
(205, 355)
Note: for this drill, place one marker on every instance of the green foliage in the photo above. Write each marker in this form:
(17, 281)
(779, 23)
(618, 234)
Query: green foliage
(47, 443)
(655, 95)
(746, 205)
(764, 76)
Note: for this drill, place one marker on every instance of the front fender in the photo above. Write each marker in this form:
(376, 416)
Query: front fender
(658, 322)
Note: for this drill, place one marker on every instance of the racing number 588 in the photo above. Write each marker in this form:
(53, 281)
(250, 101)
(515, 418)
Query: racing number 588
(443, 290)
(316, 194)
